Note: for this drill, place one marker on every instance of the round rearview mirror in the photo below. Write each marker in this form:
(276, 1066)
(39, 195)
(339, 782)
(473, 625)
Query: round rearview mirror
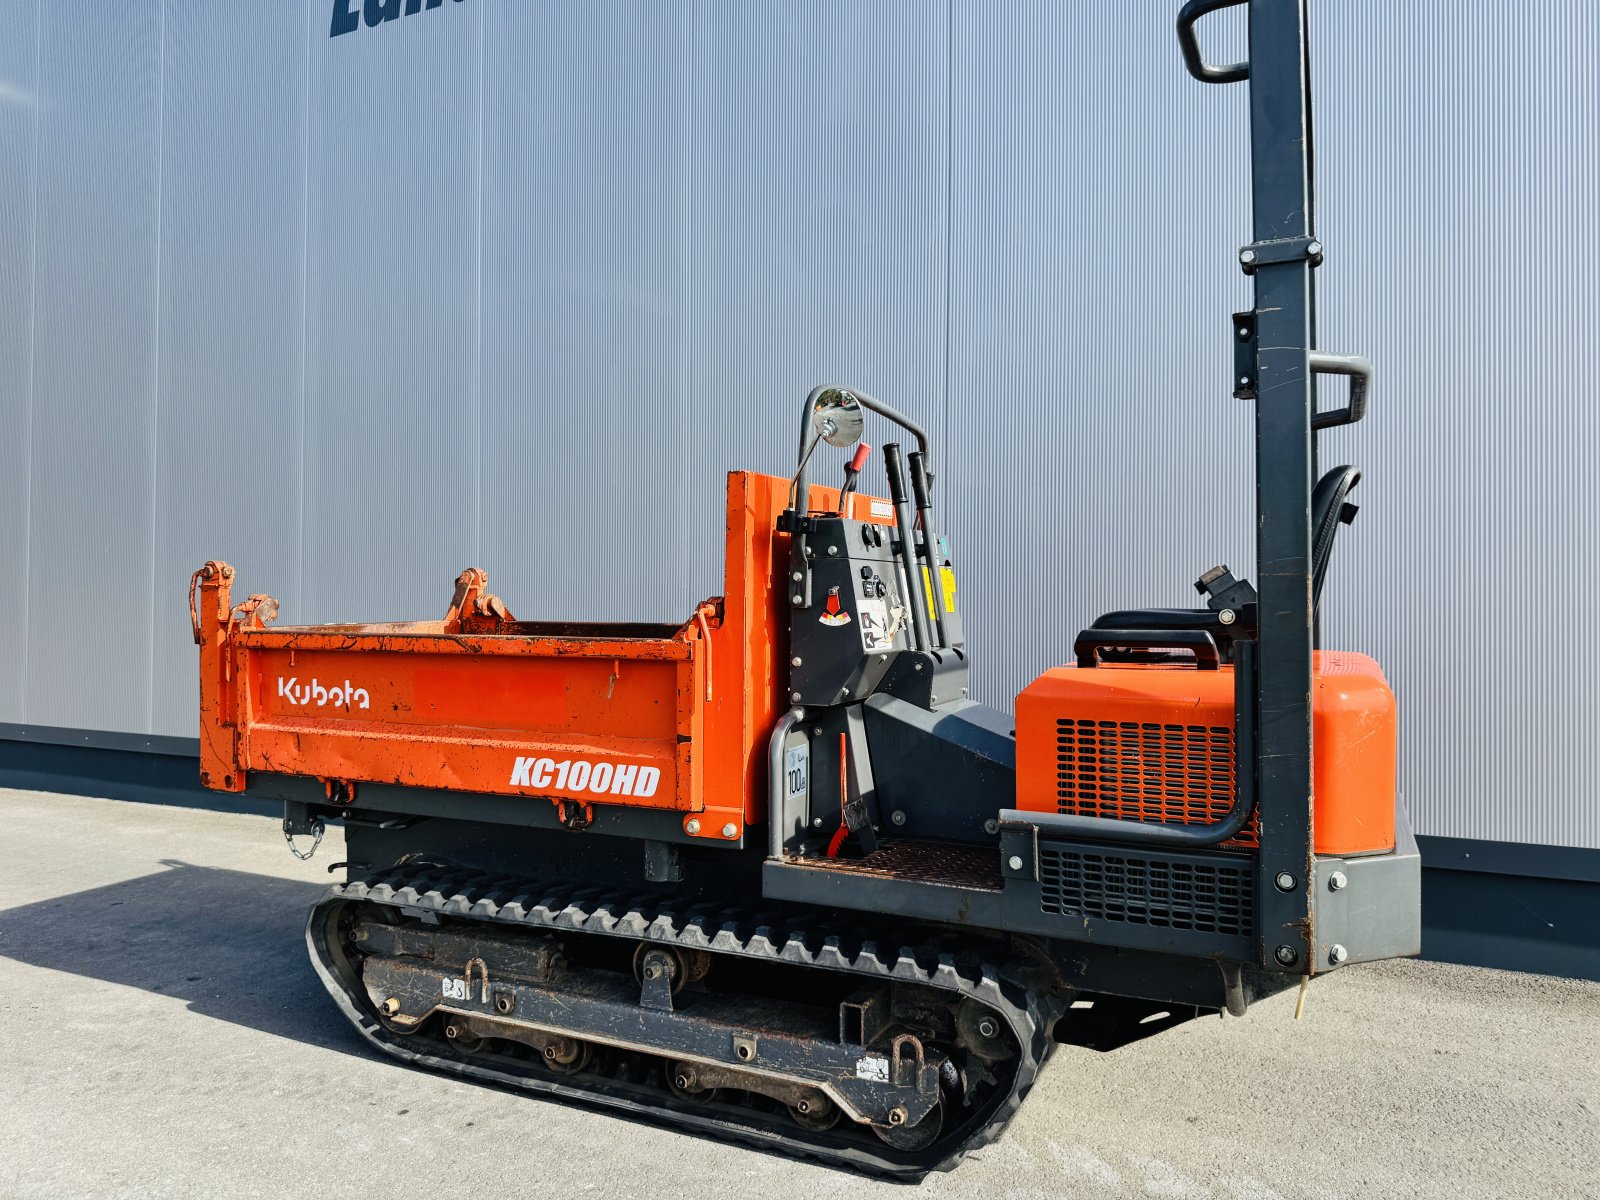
(837, 419)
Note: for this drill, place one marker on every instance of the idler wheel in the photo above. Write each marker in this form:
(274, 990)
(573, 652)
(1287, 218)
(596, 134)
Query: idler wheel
(815, 1112)
(567, 1056)
(460, 1039)
(911, 1137)
(681, 1082)
(684, 966)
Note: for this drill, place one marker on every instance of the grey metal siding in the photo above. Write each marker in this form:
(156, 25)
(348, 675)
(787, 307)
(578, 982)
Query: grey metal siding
(585, 227)
(96, 284)
(232, 278)
(515, 284)
(19, 115)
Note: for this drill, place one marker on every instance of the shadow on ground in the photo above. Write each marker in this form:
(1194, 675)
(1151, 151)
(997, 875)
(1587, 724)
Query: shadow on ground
(229, 943)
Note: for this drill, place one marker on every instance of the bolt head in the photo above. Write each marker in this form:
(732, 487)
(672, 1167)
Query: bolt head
(1244, 381)
(898, 817)
(816, 822)
(1244, 336)
(730, 830)
(391, 1006)
(1337, 954)
(1313, 248)
(797, 577)
(991, 826)
(918, 666)
(1247, 256)
(1285, 955)
(833, 549)
(799, 599)
(1337, 881)
(988, 1028)
(794, 697)
(1285, 881)
(1227, 616)
(692, 826)
(897, 1116)
(795, 661)
(1014, 862)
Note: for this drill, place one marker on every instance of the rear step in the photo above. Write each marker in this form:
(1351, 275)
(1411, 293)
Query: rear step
(689, 1013)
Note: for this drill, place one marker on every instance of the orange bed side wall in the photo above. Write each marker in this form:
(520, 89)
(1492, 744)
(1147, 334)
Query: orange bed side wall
(750, 646)
(721, 743)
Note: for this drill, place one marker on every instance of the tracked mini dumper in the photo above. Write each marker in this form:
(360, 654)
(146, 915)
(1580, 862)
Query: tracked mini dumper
(771, 875)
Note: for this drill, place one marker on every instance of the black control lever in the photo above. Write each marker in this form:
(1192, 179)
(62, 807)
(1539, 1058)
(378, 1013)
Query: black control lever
(894, 468)
(852, 472)
(921, 493)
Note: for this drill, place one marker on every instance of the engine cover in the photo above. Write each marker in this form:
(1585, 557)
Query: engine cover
(1154, 743)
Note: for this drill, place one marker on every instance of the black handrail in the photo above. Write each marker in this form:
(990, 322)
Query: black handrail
(1360, 372)
(1190, 43)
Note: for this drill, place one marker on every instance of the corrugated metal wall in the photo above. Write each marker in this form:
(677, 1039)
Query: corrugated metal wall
(513, 283)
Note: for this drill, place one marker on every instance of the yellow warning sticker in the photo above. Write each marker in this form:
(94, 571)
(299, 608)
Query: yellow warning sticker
(948, 578)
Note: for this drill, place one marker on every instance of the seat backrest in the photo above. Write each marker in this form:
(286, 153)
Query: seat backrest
(1330, 507)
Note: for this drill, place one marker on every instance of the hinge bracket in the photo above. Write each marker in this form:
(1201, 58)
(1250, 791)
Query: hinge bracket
(1244, 355)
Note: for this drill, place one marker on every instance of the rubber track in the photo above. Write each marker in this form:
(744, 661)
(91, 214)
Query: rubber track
(767, 931)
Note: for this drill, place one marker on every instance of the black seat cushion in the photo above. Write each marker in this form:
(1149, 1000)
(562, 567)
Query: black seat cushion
(1330, 507)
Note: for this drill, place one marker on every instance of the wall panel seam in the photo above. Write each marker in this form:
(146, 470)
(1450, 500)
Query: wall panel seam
(155, 372)
(949, 225)
(33, 333)
(477, 312)
(305, 318)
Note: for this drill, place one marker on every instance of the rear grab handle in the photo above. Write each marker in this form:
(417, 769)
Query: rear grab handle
(1189, 43)
(1360, 372)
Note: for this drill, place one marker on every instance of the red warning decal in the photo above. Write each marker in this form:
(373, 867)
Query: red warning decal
(833, 613)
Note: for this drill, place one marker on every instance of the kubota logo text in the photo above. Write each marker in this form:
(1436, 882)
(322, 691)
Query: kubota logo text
(580, 775)
(314, 694)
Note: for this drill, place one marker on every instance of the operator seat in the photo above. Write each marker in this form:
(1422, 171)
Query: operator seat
(1231, 603)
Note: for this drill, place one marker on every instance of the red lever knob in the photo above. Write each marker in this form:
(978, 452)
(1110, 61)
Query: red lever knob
(859, 459)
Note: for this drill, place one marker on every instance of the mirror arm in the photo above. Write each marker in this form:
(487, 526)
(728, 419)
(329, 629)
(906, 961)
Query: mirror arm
(801, 496)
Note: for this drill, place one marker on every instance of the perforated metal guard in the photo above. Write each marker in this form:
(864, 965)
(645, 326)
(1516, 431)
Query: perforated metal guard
(1135, 888)
(1147, 771)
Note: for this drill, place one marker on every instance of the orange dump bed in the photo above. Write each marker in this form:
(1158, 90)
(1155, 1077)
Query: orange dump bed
(1155, 743)
(652, 716)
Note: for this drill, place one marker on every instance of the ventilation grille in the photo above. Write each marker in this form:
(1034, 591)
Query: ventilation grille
(1145, 890)
(1147, 771)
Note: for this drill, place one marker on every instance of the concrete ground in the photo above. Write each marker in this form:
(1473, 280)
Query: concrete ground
(161, 1034)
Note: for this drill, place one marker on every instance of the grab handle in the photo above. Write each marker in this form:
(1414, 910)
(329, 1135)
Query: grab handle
(1091, 641)
(1190, 44)
(1360, 372)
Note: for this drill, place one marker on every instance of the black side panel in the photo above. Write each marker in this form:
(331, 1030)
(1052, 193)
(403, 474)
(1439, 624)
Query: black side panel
(512, 850)
(948, 771)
